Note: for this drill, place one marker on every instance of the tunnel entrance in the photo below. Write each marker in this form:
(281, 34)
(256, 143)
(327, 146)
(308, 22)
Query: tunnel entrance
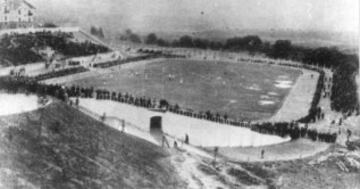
(155, 123)
(156, 129)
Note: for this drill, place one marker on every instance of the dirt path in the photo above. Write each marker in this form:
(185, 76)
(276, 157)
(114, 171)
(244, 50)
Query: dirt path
(205, 173)
(281, 152)
(187, 167)
(298, 101)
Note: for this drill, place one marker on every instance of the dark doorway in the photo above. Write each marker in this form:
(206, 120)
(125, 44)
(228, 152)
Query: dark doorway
(156, 129)
(155, 123)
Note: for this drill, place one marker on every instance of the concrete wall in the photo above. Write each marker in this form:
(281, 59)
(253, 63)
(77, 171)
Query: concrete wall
(200, 132)
(206, 133)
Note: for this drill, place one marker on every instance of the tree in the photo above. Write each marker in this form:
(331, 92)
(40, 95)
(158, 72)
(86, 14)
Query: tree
(186, 41)
(249, 43)
(135, 38)
(215, 45)
(49, 25)
(97, 32)
(130, 36)
(162, 42)
(281, 49)
(128, 32)
(344, 96)
(151, 39)
(254, 44)
(201, 43)
(324, 56)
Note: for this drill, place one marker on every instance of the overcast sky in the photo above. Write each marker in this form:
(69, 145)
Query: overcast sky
(328, 15)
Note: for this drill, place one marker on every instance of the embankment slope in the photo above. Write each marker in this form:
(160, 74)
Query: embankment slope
(76, 151)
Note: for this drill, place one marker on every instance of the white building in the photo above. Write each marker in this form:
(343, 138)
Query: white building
(16, 14)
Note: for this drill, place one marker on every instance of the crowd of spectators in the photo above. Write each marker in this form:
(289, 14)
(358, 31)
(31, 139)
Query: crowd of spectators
(282, 129)
(292, 129)
(60, 73)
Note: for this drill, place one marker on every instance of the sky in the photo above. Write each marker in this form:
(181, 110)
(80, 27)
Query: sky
(187, 15)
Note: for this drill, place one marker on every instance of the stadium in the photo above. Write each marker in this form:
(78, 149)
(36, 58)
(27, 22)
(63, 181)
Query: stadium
(81, 110)
(235, 91)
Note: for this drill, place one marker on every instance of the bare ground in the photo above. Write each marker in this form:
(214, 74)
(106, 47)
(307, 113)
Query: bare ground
(280, 152)
(298, 101)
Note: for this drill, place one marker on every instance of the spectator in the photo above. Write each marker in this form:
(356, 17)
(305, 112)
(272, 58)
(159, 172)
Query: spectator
(186, 139)
(77, 102)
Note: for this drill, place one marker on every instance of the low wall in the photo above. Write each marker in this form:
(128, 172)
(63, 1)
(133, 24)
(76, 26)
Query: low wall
(34, 30)
(200, 132)
(33, 69)
(29, 68)
(89, 61)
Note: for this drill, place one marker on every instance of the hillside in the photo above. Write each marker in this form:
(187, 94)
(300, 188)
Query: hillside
(76, 151)
(40, 46)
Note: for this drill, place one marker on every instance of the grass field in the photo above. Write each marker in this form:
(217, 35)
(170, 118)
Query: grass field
(76, 151)
(245, 91)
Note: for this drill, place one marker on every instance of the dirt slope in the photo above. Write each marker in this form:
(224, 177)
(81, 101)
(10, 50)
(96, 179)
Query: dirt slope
(75, 151)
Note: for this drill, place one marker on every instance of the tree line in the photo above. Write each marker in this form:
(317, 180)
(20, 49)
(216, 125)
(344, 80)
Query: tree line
(344, 91)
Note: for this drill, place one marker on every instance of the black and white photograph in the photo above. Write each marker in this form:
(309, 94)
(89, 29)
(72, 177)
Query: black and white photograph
(179, 94)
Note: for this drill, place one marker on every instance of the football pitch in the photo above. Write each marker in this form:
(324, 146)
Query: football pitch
(241, 90)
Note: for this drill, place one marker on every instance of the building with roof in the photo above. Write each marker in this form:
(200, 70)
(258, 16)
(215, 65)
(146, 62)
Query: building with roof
(16, 14)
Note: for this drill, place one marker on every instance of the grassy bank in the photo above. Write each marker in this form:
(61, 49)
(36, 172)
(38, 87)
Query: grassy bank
(76, 151)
